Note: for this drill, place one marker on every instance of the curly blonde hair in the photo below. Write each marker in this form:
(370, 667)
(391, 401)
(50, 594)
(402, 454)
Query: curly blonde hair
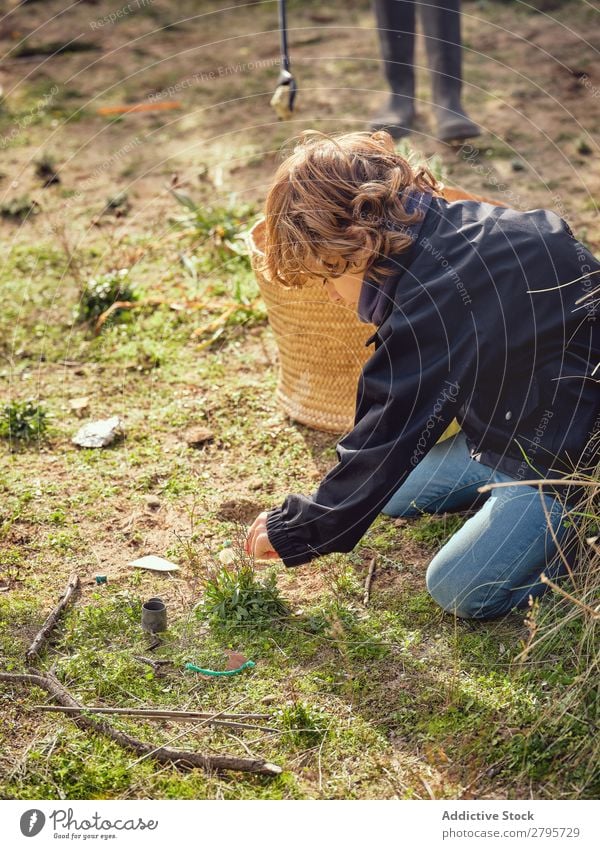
(336, 200)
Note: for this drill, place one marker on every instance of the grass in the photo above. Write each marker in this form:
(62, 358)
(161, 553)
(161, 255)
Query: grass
(100, 293)
(434, 531)
(19, 209)
(395, 700)
(23, 421)
(565, 635)
(357, 691)
(234, 596)
(350, 689)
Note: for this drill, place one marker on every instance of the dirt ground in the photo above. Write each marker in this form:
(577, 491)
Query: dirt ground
(532, 81)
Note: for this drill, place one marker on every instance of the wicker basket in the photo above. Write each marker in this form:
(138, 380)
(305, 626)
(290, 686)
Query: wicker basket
(321, 345)
(321, 348)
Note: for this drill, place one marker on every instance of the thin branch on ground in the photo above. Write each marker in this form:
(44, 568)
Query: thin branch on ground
(53, 617)
(162, 754)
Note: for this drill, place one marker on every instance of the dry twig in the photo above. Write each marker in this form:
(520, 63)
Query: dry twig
(53, 618)
(226, 720)
(162, 754)
(368, 581)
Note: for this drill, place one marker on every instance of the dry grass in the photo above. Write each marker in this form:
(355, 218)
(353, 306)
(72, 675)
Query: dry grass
(569, 629)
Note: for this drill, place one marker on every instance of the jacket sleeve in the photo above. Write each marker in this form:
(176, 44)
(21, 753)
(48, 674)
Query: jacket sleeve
(409, 391)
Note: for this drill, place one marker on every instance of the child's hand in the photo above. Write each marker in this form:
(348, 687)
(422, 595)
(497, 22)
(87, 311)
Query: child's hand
(257, 542)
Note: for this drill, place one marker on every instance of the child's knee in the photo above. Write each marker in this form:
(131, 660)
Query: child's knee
(401, 508)
(457, 593)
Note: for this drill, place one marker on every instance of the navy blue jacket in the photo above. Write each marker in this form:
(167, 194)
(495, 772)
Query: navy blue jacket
(482, 327)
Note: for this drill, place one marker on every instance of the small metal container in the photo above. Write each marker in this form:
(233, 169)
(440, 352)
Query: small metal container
(154, 616)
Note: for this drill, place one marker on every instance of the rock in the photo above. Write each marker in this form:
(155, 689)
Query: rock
(517, 165)
(582, 146)
(79, 405)
(98, 434)
(195, 437)
(152, 502)
(268, 700)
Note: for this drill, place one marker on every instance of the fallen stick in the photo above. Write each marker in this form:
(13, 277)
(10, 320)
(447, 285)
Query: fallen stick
(176, 306)
(539, 483)
(162, 754)
(209, 719)
(160, 106)
(125, 305)
(152, 714)
(156, 663)
(368, 582)
(53, 618)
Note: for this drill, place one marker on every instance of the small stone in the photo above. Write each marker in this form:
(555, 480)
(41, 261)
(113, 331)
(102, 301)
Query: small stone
(517, 165)
(79, 405)
(152, 502)
(197, 436)
(268, 700)
(99, 434)
(583, 147)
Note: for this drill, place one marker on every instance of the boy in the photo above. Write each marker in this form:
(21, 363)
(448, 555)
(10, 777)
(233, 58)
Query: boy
(478, 318)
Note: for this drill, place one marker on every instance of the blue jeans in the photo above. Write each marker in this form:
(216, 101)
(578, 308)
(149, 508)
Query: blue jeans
(493, 563)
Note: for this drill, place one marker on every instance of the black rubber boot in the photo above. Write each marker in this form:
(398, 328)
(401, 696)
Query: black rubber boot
(396, 31)
(440, 20)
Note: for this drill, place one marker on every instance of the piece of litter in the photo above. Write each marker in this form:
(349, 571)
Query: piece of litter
(101, 579)
(235, 660)
(226, 556)
(156, 564)
(280, 102)
(214, 673)
(98, 434)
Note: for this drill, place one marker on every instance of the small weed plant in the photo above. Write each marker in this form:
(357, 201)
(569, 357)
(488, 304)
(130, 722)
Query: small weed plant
(235, 596)
(23, 421)
(220, 227)
(100, 293)
(305, 725)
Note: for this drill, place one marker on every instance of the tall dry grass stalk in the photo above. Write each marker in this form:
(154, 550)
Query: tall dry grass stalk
(564, 637)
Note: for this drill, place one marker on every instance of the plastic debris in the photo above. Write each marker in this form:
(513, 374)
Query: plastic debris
(99, 434)
(280, 102)
(236, 663)
(156, 564)
(101, 579)
(154, 615)
(226, 556)
(214, 673)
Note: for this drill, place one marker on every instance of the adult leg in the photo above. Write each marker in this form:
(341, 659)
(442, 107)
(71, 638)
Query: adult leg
(494, 562)
(440, 20)
(396, 31)
(446, 479)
